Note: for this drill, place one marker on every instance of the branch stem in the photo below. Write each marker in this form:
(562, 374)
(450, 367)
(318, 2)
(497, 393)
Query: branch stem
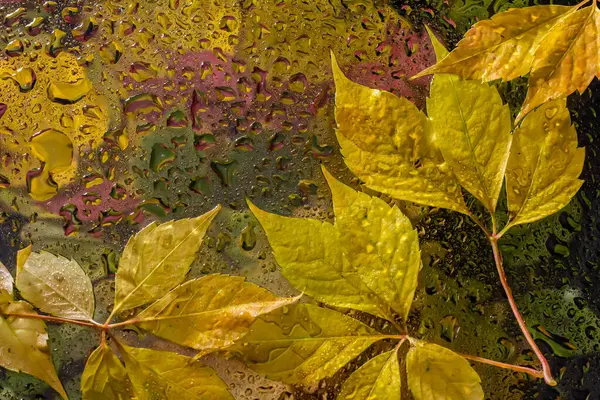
(530, 371)
(55, 319)
(479, 223)
(547, 373)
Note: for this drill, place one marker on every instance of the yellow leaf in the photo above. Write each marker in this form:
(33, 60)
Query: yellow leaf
(379, 243)
(378, 378)
(436, 373)
(104, 377)
(567, 60)
(6, 280)
(387, 142)
(23, 343)
(157, 259)
(502, 47)
(542, 172)
(472, 128)
(303, 344)
(368, 261)
(165, 375)
(209, 313)
(55, 285)
(439, 49)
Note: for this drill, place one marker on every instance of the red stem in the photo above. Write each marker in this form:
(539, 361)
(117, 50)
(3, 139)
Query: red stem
(533, 372)
(498, 260)
(56, 319)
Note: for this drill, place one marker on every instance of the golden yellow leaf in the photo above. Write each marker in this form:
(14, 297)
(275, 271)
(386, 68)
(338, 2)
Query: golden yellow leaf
(378, 378)
(502, 47)
(379, 243)
(567, 60)
(104, 377)
(388, 143)
(165, 375)
(157, 259)
(6, 280)
(302, 344)
(544, 165)
(24, 343)
(436, 373)
(473, 130)
(209, 313)
(55, 285)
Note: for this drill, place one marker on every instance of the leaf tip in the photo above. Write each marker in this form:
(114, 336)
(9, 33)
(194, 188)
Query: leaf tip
(22, 256)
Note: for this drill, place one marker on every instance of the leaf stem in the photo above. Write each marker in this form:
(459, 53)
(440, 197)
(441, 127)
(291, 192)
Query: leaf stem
(547, 373)
(55, 319)
(530, 371)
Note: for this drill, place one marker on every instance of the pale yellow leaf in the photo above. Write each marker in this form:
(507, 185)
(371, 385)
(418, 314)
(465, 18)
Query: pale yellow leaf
(302, 344)
(24, 343)
(387, 142)
(544, 165)
(157, 259)
(502, 47)
(379, 243)
(310, 256)
(170, 376)
(6, 280)
(209, 313)
(104, 377)
(436, 373)
(567, 60)
(56, 286)
(378, 378)
(473, 130)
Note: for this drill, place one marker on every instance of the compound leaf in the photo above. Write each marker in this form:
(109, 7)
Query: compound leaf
(502, 47)
(24, 343)
(105, 377)
(544, 165)
(473, 130)
(157, 259)
(436, 373)
(55, 285)
(303, 344)
(6, 280)
(378, 378)
(209, 313)
(567, 60)
(166, 375)
(379, 242)
(387, 142)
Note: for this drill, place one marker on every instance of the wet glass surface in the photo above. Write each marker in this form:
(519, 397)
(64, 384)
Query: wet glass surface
(117, 113)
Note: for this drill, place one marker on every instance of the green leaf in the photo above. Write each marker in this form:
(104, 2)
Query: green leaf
(157, 259)
(24, 343)
(6, 280)
(473, 130)
(379, 243)
(544, 165)
(104, 377)
(55, 285)
(303, 344)
(209, 313)
(435, 372)
(388, 143)
(165, 375)
(378, 378)
(368, 261)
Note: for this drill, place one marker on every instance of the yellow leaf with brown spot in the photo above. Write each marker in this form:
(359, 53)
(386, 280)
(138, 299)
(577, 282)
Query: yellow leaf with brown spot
(209, 313)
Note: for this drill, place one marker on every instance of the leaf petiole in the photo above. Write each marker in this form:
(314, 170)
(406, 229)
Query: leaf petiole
(55, 319)
(530, 371)
(547, 373)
